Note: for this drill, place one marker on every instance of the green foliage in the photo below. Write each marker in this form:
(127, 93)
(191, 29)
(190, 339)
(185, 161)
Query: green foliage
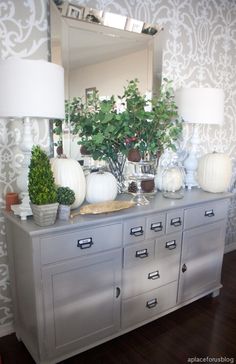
(105, 132)
(65, 196)
(41, 186)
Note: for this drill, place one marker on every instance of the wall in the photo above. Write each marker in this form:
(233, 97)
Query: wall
(23, 33)
(200, 50)
(116, 71)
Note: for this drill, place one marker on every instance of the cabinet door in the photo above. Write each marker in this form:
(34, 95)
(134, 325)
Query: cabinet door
(201, 261)
(82, 301)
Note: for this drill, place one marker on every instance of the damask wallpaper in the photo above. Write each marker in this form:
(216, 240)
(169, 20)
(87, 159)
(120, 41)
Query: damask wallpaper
(199, 51)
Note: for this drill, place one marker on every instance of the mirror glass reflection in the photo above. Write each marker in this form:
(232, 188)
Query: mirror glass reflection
(102, 51)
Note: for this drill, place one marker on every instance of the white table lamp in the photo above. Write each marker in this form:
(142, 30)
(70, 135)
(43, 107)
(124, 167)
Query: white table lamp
(198, 106)
(30, 89)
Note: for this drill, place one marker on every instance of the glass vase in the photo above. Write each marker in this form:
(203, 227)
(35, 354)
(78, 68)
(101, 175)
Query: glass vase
(117, 169)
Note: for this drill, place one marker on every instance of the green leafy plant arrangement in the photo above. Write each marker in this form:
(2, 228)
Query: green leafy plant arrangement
(107, 133)
(65, 196)
(41, 185)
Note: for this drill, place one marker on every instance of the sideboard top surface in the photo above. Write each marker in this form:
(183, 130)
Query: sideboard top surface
(157, 204)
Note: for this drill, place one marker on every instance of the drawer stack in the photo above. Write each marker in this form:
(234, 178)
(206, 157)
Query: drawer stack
(152, 248)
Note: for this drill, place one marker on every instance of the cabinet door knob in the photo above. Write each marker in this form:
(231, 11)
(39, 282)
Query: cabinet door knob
(117, 292)
(141, 253)
(184, 268)
(152, 303)
(85, 243)
(176, 222)
(136, 231)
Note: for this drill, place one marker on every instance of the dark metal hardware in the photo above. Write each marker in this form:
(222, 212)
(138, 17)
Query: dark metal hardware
(171, 244)
(176, 221)
(152, 303)
(117, 292)
(154, 275)
(209, 213)
(184, 268)
(85, 243)
(157, 226)
(136, 231)
(141, 253)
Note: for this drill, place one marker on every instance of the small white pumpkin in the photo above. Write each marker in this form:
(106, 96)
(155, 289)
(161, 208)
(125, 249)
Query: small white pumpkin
(172, 179)
(214, 172)
(101, 187)
(68, 173)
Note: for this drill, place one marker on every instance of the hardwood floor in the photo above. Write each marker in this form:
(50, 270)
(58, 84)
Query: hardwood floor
(206, 328)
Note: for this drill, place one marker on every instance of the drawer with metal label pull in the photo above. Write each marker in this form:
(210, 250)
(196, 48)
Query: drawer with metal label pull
(150, 275)
(139, 254)
(80, 242)
(169, 244)
(174, 221)
(144, 306)
(205, 213)
(134, 230)
(156, 225)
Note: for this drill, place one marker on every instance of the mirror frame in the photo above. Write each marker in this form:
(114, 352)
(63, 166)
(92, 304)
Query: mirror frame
(64, 15)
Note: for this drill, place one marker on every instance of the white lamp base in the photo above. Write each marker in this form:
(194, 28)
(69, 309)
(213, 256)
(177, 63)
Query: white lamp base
(191, 162)
(22, 211)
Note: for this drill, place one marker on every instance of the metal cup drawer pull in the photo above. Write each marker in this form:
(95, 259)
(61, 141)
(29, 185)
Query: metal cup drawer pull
(171, 244)
(151, 303)
(85, 243)
(154, 275)
(176, 221)
(209, 213)
(156, 226)
(143, 253)
(136, 231)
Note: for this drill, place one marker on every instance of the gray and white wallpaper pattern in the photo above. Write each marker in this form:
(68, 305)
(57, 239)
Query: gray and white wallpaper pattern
(199, 51)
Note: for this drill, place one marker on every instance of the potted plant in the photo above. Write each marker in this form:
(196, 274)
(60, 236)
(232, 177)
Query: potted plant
(42, 188)
(110, 129)
(65, 198)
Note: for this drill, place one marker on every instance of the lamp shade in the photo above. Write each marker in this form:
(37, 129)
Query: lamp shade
(201, 105)
(31, 88)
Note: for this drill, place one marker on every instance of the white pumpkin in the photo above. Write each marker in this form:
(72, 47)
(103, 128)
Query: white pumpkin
(214, 172)
(172, 179)
(69, 173)
(101, 187)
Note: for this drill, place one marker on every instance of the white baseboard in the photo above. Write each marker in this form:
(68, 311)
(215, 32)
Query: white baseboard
(6, 329)
(230, 247)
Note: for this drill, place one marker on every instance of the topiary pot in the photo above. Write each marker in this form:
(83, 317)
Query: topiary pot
(44, 215)
(64, 212)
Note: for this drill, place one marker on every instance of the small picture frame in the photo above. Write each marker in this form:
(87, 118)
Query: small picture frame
(90, 92)
(75, 12)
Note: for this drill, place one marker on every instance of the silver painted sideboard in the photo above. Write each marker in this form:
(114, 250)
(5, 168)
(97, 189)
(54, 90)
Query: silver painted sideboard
(77, 284)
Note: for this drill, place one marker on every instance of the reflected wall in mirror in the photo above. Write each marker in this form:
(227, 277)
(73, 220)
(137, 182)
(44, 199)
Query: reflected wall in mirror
(103, 51)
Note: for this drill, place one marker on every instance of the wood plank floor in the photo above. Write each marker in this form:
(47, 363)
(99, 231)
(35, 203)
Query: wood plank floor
(206, 328)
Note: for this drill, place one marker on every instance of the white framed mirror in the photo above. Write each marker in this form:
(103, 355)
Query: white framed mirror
(103, 51)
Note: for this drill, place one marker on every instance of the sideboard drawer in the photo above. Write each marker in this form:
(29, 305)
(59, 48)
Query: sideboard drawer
(143, 307)
(168, 245)
(79, 243)
(145, 277)
(174, 221)
(156, 225)
(140, 253)
(134, 230)
(205, 213)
